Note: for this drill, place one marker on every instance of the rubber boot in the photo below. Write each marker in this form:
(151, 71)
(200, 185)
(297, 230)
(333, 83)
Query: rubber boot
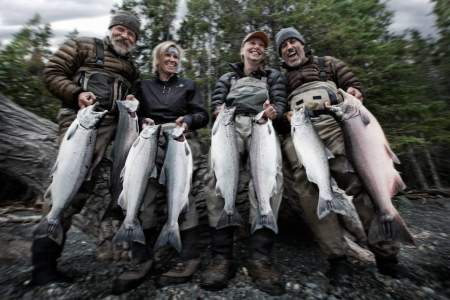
(220, 269)
(44, 255)
(188, 262)
(259, 264)
(141, 254)
(339, 271)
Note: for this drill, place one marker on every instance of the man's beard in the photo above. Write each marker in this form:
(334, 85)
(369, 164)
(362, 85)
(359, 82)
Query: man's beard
(120, 45)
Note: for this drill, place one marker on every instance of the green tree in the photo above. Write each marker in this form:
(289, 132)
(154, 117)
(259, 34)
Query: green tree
(21, 65)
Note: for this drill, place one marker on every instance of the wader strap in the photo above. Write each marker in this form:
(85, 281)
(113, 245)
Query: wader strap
(322, 69)
(99, 53)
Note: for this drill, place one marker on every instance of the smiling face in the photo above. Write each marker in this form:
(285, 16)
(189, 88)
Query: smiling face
(123, 39)
(292, 52)
(169, 63)
(253, 50)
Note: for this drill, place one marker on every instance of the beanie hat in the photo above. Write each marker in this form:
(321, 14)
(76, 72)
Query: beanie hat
(126, 19)
(287, 33)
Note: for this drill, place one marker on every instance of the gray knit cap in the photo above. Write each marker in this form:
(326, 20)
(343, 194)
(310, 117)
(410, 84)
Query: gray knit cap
(126, 19)
(287, 33)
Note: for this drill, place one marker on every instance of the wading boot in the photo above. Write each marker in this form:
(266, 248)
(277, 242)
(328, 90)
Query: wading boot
(339, 271)
(104, 250)
(259, 264)
(389, 266)
(220, 268)
(141, 255)
(45, 253)
(187, 264)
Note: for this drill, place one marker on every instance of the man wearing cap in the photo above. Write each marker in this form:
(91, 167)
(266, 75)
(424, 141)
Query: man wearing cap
(251, 88)
(315, 80)
(82, 72)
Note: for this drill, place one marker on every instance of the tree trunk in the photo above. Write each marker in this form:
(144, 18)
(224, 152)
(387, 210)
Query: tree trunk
(417, 169)
(434, 173)
(28, 147)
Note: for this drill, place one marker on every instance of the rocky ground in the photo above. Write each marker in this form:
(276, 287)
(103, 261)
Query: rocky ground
(297, 258)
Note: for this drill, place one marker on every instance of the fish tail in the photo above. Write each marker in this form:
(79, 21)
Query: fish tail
(267, 221)
(129, 233)
(50, 228)
(387, 228)
(169, 236)
(226, 219)
(337, 204)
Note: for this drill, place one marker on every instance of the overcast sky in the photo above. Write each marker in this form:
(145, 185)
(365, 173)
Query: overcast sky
(91, 18)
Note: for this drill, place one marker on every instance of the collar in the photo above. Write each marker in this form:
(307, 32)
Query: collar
(239, 69)
(171, 80)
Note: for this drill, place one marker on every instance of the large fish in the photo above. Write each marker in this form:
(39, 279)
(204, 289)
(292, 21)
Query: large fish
(374, 160)
(225, 163)
(265, 166)
(314, 157)
(126, 133)
(72, 165)
(176, 174)
(139, 167)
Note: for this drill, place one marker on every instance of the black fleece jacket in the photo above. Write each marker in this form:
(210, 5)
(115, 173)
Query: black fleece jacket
(165, 101)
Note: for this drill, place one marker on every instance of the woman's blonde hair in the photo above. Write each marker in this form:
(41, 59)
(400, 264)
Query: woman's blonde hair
(158, 54)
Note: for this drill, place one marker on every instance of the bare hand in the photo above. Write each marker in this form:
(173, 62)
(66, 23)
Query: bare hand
(86, 99)
(356, 93)
(130, 97)
(180, 122)
(269, 110)
(289, 115)
(148, 121)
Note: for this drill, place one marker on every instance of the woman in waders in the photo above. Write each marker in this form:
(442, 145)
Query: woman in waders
(250, 88)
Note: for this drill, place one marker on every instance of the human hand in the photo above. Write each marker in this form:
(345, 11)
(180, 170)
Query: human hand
(86, 99)
(356, 93)
(130, 97)
(289, 115)
(148, 121)
(269, 110)
(180, 122)
(218, 110)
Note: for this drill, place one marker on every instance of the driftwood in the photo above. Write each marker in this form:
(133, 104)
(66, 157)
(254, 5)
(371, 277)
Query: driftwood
(28, 147)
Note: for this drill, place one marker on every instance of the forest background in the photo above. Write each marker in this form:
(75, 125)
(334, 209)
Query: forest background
(405, 76)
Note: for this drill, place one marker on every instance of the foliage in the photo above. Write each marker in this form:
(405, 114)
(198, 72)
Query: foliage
(21, 65)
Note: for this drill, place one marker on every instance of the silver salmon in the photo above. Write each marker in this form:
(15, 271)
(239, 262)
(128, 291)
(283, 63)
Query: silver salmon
(139, 167)
(126, 133)
(72, 165)
(176, 174)
(314, 157)
(265, 166)
(374, 160)
(225, 163)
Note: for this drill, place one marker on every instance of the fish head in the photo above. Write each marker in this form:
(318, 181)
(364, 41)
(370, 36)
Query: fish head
(130, 106)
(227, 115)
(88, 117)
(150, 131)
(260, 118)
(350, 107)
(300, 116)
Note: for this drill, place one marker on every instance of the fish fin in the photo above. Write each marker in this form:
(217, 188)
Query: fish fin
(389, 228)
(364, 117)
(338, 204)
(169, 236)
(162, 176)
(269, 129)
(186, 149)
(226, 220)
(122, 173)
(130, 233)
(55, 166)
(71, 131)
(51, 229)
(215, 127)
(391, 154)
(329, 154)
(136, 142)
(398, 184)
(267, 221)
(122, 201)
(47, 194)
(154, 173)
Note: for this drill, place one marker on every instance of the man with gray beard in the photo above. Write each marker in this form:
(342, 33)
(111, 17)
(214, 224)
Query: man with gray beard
(84, 71)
